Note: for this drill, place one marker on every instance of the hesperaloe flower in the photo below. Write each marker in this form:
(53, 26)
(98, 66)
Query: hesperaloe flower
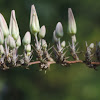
(55, 39)
(4, 26)
(44, 44)
(34, 22)
(63, 44)
(91, 45)
(1, 50)
(13, 26)
(27, 38)
(1, 37)
(11, 42)
(59, 30)
(71, 23)
(42, 32)
(18, 42)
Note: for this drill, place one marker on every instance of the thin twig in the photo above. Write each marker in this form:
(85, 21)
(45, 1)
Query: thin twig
(69, 62)
(53, 62)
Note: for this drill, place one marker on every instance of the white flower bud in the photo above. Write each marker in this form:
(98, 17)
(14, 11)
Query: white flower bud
(27, 38)
(27, 47)
(2, 49)
(18, 42)
(54, 37)
(34, 22)
(42, 32)
(91, 46)
(1, 37)
(59, 30)
(4, 26)
(13, 26)
(44, 44)
(63, 44)
(11, 42)
(71, 23)
(74, 38)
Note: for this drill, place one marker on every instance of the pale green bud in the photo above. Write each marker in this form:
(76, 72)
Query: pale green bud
(18, 42)
(71, 23)
(74, 38)
(44, 44)
(27, 38)
(11, 42)
(63, 44)
(2, 49)
(42, 32)
(7, 40)
(27, 47)
(91, 46)
(1, 37)
(4, 26)
(34, 22)
(28, 53)
(59, 30)
(13, 26)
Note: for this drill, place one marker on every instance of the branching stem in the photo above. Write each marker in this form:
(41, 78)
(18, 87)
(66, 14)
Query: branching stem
(69, 62)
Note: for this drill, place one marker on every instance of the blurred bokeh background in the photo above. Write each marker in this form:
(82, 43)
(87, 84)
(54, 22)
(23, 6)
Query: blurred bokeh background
(77, 82)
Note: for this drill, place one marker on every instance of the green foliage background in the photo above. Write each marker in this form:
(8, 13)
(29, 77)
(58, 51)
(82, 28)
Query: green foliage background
(77, 82)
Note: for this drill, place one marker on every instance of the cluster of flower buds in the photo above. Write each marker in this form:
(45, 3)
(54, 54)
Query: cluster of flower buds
(72, 31)
(10, 38)
(89, 54)
(92, 54)
(40, 42)
(10, 41)
(58, 34)
(60, 46)
(27, 47)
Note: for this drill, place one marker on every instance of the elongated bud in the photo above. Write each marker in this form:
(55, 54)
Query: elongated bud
(28, 47)
(4, 26)
(63, 44)
(13, 26)
(11, 42)
(74, 38)
(59, 30)
(2, 49)
(34, 22)
(44, 44)
(42, 32)
(1, 37)
(54, 37)
(91, 46)
(27, 38)
(71, 23)
(18, 42)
